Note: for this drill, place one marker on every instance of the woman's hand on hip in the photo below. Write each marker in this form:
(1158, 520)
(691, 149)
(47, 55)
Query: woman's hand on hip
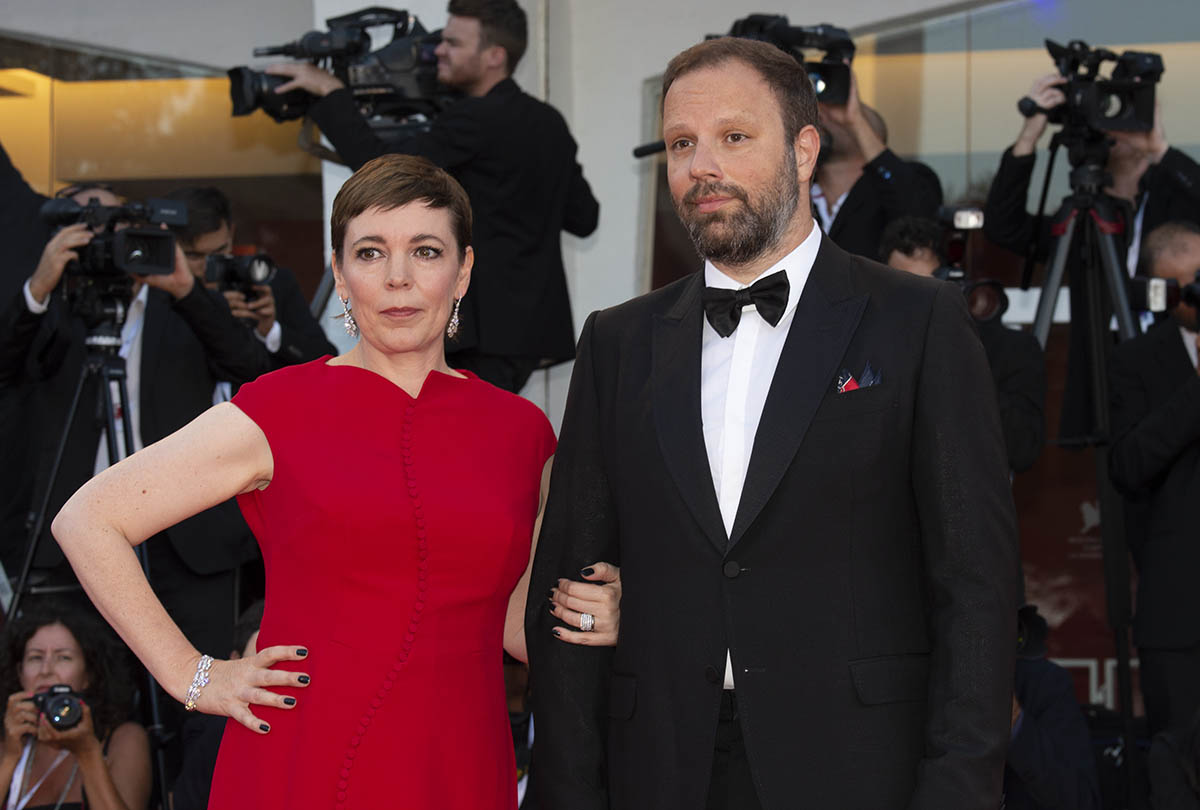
(234, 687)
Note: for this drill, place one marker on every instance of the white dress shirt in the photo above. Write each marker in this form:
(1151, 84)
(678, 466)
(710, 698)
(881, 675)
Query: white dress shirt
(131, 350)
(826, 210)
(735, 376)
(1189, 343)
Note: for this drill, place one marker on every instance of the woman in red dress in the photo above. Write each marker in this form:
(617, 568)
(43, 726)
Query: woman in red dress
(394, 500)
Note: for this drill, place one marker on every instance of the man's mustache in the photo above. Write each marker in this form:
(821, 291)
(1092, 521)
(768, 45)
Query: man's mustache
(714, 190)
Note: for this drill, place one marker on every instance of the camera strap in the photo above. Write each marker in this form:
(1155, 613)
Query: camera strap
(21, 775)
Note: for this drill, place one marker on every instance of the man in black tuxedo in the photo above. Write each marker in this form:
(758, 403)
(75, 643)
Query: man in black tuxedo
(1155, 462)
(861, 185)
(278, 313)
(516, 159)
(804, 482)
(179, 339)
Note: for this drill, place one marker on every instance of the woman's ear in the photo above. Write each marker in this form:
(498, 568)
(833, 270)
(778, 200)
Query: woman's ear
(464, 272)
(339, 280)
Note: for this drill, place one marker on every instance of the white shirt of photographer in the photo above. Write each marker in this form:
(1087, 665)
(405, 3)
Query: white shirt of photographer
(131, 350)
(735, 377)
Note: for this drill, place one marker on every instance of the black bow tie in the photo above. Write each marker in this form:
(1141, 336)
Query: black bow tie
(769, 295)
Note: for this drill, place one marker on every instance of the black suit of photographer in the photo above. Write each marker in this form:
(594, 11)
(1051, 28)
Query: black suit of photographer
(515, 157)
(889, 188)
(1155, 463)
(1019, 372)
(301, 337)
(187, 346)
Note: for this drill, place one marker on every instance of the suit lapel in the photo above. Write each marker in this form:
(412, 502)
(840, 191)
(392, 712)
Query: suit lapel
(826, 316)
(677, 419)
(854, 198)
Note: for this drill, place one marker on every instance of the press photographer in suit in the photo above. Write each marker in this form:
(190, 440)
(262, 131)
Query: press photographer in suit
(178, 339)
(1154, 387)
(516, 159)
(795, 455)
(861, 185)
(278, 311)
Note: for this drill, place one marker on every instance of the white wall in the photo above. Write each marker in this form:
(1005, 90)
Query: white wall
(220, 33)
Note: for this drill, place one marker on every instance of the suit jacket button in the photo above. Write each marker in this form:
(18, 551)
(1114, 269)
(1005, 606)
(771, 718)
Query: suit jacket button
(731, 569)
(711, 675)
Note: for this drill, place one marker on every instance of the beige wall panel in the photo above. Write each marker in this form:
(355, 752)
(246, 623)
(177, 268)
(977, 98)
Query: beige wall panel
(25, 125)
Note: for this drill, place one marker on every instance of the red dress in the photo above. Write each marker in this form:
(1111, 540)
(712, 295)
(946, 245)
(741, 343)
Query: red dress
(393, 531)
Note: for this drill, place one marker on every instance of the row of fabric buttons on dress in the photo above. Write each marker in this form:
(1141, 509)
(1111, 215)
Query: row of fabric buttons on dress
(410, 634)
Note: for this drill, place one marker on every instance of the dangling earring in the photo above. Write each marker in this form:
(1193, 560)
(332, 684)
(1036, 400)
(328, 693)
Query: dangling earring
(348, 319)
(452, 328)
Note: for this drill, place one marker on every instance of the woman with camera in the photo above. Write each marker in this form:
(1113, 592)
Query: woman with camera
(396, 501)
(76, 749)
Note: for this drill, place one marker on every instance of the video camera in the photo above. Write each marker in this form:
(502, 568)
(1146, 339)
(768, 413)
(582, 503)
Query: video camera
(102, 276)
(138, 250)
(1123, 102)
(830, 75)
(240, 273)
(395, 87)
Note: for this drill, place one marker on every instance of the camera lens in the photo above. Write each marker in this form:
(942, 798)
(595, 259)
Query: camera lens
(818, 82)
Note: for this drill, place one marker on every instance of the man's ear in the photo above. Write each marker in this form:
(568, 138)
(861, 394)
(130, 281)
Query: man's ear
(494, 56)
(807, 147)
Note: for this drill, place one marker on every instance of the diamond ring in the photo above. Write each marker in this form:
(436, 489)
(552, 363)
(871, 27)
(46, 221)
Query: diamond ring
(587, 622)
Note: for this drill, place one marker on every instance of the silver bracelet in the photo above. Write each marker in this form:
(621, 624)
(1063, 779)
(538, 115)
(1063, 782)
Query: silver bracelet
(199, 681)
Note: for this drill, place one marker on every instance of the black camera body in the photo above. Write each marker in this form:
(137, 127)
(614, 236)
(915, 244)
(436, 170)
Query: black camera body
(240, 273)
(830, 75)
(62, 706)
(1162, 294)
(1123, 102)
(395, 87)
(142, 251)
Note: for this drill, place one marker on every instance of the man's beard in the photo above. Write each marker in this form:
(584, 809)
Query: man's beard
(752, 229)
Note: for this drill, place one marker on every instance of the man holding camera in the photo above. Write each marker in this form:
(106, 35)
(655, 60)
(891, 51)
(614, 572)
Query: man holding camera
(516, 159)
(1157, 182)
(277, 311)
(1155, 462)
(177, 339)
(861, 185)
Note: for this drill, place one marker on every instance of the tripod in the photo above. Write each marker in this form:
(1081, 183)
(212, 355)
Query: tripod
(104, 362)
(1085, 228)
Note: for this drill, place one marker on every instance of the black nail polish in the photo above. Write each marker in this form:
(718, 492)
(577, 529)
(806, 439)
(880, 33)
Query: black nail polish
(550, 593)
(289, 701)
(557, 633)
(303, 678)
(301, 651)
(263, 727)
(587, 572)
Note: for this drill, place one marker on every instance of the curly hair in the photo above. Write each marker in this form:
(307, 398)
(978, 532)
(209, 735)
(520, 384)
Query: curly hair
(110, 691)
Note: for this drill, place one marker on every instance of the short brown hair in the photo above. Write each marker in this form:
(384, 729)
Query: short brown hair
(782, 73)
(501, 22)
(393, 180)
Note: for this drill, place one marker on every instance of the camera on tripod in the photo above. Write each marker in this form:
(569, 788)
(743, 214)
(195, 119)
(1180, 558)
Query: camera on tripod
(240, 273)
(829, 75)
(99, 285)
(986, 299)
(395, 86)
(1123, 102)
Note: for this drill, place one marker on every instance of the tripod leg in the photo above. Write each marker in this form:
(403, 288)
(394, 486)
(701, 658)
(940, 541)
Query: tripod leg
(1102, 252)
(1053, 285)
(39, 523)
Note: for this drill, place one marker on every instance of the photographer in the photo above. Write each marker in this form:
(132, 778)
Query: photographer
(861, 185)
(178, 339)
(516, 159)
(914, 245)
(278, 310)
(1155, 462)
(103, 762)
(1157, 182)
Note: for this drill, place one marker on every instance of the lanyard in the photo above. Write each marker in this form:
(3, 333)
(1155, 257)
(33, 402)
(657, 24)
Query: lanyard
(20, 775)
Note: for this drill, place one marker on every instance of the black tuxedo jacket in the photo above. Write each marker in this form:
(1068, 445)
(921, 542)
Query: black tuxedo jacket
(889, 188)
(1155, 461)
(867, 593)
(516, 159)
(187, 346)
